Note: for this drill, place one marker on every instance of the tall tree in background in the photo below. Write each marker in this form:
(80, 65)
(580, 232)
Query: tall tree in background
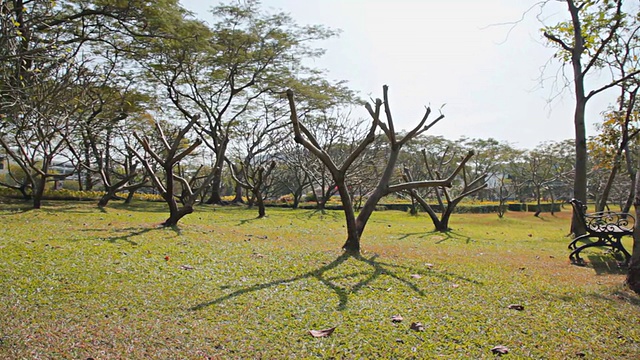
(47, 49)
(585, 41)
(220, 71)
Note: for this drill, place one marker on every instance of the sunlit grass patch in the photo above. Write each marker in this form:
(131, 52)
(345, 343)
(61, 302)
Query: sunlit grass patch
(79, 282)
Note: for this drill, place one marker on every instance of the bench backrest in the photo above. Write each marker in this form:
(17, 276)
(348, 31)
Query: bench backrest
(614, 223)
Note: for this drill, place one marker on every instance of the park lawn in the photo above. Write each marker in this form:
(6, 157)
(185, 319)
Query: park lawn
(81, 283)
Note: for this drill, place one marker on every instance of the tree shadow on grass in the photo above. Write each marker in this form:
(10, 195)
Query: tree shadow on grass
(420, 235)
(442, 236)
(451, 235)
(607, 263)
(130, 233)
(378, 268)
(16, 211)
(322, 214)
(620, 295)
(139, 206)
(249, 220)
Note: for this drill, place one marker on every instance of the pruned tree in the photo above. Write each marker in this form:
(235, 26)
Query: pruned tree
(471, 184)
(540, 173)
(255, 181)
(173, 152)
(291, 176)
(503, 193)
(259, 136)
(356, 225)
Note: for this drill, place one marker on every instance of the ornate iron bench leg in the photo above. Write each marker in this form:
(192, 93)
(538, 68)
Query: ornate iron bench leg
(575, 254)
(573, 245)
(617, 244)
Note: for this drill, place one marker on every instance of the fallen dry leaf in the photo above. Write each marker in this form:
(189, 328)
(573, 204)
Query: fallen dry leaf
(516, 307)
(416, 326)
(500, 349)
(397, 318)
(322, 333)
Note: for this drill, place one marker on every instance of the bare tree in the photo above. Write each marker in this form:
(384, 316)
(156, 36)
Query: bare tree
(355, 226)
(291, 176)
(173, 152)
(470, 185)
(256, 182)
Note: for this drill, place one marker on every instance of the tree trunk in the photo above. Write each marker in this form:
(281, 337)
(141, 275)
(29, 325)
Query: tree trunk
(238, 198)
(132, 192)
(501, 202)
(443, 226)
(602, 203)
(633, 274)
(352, 245)
(538, 196)
(215, 197)
(251, 200)
(38, 191)
(297, 195)
(130, 196)
(428, 209)
(176, 214)
(260, 202)
(414, 209)
(23, 191)
(627, 205)
(80, 186)
(104, 200)
(238, 188)
(580, 180)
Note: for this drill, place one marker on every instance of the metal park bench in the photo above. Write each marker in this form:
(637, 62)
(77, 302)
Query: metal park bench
(606, 227)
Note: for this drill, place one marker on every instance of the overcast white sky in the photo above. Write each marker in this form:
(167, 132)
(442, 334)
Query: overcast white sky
(432, 52)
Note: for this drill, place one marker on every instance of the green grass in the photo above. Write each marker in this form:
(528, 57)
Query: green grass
(78, 283)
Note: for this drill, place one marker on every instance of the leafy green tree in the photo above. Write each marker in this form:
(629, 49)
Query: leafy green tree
(221, 70)
(47, 66)
(610, 149)
(595, 31)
